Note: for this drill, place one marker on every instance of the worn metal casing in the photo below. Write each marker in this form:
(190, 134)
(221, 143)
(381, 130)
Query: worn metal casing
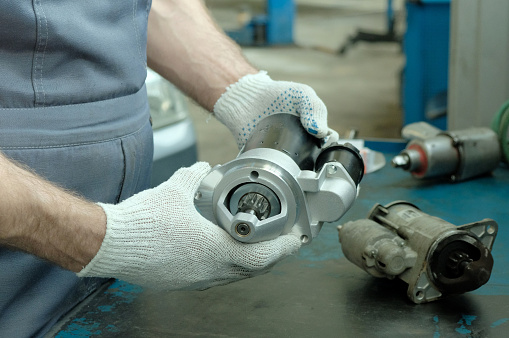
(399, 240)
(458, 155)
(479, 151)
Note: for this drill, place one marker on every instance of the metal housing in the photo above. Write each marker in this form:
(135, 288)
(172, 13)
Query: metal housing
(458, 155)
(277, 167)
(432, 256)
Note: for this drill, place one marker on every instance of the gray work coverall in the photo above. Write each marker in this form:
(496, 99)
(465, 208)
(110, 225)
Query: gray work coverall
(73, 107)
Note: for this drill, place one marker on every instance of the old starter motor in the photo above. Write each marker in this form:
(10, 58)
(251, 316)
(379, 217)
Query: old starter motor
(282, 181)
(457, 155)
(432, 256)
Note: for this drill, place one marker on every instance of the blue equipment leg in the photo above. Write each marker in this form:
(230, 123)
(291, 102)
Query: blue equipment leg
(275, 27)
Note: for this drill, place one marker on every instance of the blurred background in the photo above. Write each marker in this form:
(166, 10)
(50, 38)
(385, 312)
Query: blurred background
(361, 88)
(378, 65)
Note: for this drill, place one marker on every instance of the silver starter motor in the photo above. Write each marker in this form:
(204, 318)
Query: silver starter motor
(458, 155)
(282, 181)
(435, 258)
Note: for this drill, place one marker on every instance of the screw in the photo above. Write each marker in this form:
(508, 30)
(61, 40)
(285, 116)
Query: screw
(332, 169)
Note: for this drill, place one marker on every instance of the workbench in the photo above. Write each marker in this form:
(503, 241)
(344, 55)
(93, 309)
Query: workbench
(318, 292)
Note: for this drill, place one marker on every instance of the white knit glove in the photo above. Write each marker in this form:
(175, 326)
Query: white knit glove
(256, 96)
(157, 239)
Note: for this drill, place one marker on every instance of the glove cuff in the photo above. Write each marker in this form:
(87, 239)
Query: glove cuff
(243, 96)
(239, 96)
(138, 228)
(124, 249)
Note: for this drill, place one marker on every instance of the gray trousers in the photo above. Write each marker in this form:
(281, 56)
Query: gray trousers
(102, 156)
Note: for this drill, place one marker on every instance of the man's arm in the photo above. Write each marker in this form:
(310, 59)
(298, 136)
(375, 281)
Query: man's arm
(156, 238)
(42, 219)
(187, 47)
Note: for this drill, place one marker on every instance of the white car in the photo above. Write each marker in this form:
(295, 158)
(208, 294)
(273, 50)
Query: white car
(174, 135)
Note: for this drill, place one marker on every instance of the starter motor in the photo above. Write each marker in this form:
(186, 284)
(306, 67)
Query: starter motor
(457, 155)
(435, 258)
(284, 180)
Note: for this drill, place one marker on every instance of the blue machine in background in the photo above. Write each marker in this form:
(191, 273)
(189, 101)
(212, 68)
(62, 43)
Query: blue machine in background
(424, 78)
(275, 27)
(426, 48)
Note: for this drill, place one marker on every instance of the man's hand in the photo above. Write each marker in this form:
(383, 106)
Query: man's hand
(155, 239)
(158, 239)
(256, 96)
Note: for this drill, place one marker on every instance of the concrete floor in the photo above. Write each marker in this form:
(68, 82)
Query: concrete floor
(360, 89)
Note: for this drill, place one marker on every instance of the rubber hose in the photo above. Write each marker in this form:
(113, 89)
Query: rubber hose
(500, 125)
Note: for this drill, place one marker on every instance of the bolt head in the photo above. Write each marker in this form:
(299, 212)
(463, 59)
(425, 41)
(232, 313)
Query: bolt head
(332, 169)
